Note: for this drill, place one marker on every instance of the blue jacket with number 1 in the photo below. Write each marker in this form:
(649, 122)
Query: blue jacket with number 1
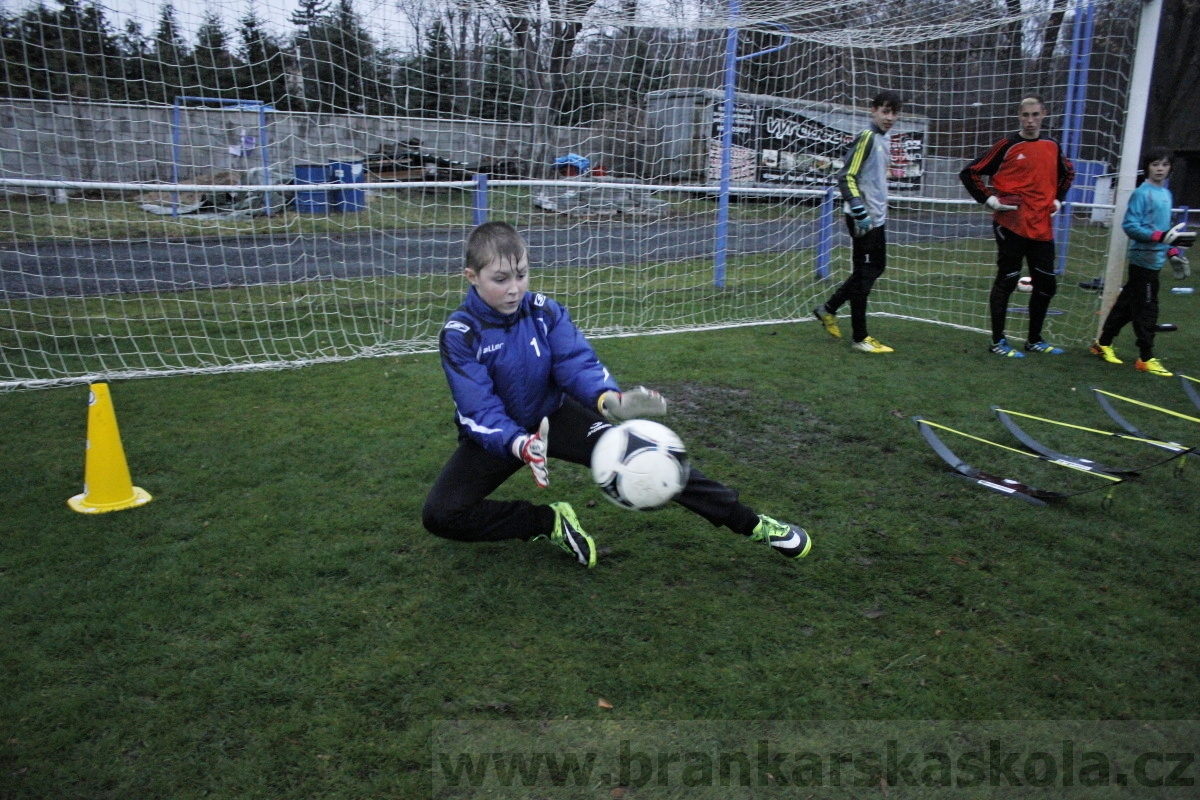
(507, 371)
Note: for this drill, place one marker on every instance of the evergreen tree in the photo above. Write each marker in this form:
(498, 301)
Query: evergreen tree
(214, 63)
(262, 74)
(134, 50)
(89, 50)
(308, 18)
(502, 98)
(437, 72)
(36, 57)
(335, 55)
(15, 79)
(309, 13)
(170, 56)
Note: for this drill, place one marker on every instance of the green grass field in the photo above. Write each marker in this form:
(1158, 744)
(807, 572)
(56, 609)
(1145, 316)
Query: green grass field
(277, 624)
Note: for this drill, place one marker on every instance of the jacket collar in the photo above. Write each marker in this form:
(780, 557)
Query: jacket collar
(481, 310)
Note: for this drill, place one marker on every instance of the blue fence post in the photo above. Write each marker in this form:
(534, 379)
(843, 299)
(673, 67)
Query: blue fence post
(825, 233)
(481, 198)
(721, 243)
(175, 121)
(268, 199)
(1077, 86)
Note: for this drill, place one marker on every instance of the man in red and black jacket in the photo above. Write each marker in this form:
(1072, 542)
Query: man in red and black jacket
(1028, 179)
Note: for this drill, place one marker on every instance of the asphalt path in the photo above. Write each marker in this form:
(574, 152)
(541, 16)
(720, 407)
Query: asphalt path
(86, 268)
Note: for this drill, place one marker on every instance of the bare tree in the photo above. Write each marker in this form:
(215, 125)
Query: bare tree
(544, 44)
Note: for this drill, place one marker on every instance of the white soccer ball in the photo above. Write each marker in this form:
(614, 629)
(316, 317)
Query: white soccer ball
(1025, 284)
(640, 464)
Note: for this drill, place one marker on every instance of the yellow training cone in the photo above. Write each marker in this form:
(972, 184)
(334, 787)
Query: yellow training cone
(106, 483)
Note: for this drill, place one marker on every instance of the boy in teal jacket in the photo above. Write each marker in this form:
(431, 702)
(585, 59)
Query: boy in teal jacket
(1152, 242)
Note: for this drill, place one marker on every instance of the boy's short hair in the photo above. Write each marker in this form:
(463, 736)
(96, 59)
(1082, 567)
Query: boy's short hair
(888, 99)
(1155, 154)
(492, 242)
(1029, 99)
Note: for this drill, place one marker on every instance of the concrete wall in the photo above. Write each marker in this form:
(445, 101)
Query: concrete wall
(47, 140)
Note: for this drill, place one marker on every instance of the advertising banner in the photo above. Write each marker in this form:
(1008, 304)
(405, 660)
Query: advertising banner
(779, 146)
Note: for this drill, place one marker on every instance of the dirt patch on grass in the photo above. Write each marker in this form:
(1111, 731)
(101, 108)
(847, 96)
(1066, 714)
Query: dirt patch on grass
(763, 428)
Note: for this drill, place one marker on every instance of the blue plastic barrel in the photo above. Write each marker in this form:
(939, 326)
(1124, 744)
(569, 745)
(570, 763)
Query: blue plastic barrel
(348, 200)
(316, 201)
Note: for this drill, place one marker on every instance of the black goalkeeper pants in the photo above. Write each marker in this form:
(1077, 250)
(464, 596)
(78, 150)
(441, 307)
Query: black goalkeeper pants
(869, 260)
(1011, 250)
(458, 506)
(1137, 304)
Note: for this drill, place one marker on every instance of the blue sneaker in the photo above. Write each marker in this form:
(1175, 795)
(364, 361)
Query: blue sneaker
(1002, 348)
(1043, 347)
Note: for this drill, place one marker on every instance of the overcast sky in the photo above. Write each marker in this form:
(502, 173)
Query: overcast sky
(379, 16)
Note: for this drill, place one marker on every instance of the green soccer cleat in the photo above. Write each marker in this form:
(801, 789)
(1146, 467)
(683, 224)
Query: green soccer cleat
(790, 541)
(570, 535)
(871, 345)
(1045, 348)
(1106, 352)
(828, 321)
(1153, 366)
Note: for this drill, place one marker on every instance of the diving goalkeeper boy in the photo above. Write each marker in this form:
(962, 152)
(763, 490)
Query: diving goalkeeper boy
(528, 386)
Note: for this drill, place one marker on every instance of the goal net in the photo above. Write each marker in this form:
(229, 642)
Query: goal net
(269, 185)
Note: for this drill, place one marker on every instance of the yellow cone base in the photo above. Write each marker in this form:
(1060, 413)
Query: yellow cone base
(80, 502)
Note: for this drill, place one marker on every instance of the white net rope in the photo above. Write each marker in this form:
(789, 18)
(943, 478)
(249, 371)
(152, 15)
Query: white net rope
(278, 184)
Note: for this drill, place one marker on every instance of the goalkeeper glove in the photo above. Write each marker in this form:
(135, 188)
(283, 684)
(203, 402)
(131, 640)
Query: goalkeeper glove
(1176, 236)
(637, 402)
(532, 450)
(859, 218)
(1057, 207)
(996, 204)
(1179, 264)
